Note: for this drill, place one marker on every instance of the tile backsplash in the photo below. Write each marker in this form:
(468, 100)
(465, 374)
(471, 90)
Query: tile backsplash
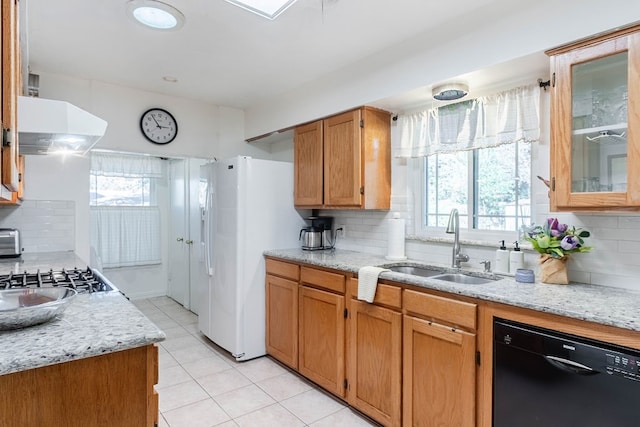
(45, 225)
(614, 261)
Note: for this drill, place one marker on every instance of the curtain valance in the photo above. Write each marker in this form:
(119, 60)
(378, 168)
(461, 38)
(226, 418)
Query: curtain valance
(125, 165)
(503, 118)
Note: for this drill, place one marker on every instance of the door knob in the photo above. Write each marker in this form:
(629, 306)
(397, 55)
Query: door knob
(179, 239)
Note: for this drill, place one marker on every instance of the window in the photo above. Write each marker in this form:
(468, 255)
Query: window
(490, 187)
(474, 156)
(125, 217)
(120, 191)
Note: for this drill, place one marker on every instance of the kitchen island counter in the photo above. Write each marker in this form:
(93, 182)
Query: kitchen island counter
(92, 325)
(594, 303)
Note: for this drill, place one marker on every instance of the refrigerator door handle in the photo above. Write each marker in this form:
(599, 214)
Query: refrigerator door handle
(207, 234)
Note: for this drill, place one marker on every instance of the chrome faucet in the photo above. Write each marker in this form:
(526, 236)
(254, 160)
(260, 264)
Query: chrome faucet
(454, 228)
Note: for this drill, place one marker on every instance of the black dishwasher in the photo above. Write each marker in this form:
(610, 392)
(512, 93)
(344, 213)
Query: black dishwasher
(546, 378)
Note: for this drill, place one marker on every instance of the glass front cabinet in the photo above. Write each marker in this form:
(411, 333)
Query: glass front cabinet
(595, 119)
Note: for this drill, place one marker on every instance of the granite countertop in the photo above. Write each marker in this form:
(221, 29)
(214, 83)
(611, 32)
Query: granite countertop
(92, 325)
(600, 304)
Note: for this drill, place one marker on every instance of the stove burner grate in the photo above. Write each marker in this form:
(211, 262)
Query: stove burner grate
(80, 280)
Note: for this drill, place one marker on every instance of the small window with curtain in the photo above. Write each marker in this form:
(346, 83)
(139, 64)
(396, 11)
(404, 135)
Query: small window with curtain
(125, 217)
(475, 157)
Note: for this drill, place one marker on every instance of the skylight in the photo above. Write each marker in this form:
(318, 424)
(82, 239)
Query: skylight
(155, 14)
(269, 9)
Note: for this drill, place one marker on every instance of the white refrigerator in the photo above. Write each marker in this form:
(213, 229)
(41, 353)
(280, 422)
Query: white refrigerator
(248, 208)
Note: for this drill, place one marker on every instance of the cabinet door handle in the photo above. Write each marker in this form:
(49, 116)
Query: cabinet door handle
(189, 242)
(179, 239)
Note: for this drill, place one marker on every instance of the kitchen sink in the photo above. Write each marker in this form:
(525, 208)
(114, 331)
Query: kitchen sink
(464, 278)
(415, 270)
(440, 274)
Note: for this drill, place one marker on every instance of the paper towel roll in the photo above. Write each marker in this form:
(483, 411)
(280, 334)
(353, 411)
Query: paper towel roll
(395, 239)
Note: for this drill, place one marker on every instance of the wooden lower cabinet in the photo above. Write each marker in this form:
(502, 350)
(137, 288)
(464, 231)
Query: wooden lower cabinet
(439, 379)
(114, 389)
(322, 338)
(282, 320)
(375, 362)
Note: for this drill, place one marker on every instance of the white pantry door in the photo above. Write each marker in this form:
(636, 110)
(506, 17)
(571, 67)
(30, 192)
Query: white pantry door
(178, 268)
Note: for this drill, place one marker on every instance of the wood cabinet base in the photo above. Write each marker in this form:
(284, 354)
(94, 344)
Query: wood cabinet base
(114, 389)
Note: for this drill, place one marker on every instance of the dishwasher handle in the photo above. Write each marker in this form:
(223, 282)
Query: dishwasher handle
(570, 366)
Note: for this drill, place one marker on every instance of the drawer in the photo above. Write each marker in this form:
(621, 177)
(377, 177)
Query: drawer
(459, 313)
(323, 279)
(388, 295)
(283, 269)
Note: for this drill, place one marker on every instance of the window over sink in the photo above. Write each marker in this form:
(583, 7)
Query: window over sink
(490, 187)
(474, 156)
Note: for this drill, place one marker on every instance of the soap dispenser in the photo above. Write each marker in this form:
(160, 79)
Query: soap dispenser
(516, 258)
(502, 259)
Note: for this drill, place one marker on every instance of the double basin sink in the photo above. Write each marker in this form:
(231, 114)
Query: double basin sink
(441, 274)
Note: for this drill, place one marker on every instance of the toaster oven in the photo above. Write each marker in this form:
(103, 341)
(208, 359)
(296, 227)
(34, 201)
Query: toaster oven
(10, 243)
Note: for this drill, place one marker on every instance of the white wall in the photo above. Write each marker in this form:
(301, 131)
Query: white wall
(204, 131)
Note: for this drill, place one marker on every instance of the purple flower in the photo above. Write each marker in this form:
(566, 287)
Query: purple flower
(553, 223)
(568, 243)
(562, 227)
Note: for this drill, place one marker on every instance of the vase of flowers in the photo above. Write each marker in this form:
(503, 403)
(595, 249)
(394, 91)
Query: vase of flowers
(555, 241)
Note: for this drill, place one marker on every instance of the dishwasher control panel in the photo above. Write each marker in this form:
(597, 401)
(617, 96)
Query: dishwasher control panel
(622, 364)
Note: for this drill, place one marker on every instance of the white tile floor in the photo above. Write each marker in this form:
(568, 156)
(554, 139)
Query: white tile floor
(200, 385)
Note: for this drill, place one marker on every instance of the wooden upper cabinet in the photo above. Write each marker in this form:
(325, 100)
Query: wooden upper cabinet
(10, 90)
(344, 161)
(595, 119)
(15, 197)
(307, 149)
(342, 165)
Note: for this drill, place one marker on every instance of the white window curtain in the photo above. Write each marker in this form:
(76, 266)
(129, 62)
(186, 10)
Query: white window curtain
(125, 236)
(127, 165)
(503, 118)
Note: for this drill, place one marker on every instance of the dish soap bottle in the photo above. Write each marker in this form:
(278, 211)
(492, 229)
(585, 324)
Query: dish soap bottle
(502, 259)
(516, 259)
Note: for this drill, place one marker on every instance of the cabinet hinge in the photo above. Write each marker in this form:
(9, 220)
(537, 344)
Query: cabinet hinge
(478, 358)
(346, 384)
(7, 137)
(553, 80)
(346, 313)
(362, 190)
(553, 183)
(361, 123)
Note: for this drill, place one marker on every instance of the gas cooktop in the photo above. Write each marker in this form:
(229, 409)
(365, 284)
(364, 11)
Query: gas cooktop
(83, 281)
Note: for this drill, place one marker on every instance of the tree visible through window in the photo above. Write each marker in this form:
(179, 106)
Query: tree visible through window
(490, 187)
(120, 191)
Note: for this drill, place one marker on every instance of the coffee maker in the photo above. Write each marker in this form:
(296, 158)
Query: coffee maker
(318, 236)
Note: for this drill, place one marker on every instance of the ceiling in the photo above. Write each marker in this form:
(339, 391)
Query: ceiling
(227, 56)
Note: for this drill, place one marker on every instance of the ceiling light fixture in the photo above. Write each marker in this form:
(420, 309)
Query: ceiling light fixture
(450, 91)
(269, 9)
(155, 14)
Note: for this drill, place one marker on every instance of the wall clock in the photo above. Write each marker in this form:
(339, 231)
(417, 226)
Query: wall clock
(158, 126)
